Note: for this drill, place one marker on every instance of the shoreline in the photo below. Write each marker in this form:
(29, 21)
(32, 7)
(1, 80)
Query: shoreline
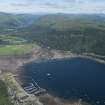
(14, 64)
(17, 94)
(48, 99)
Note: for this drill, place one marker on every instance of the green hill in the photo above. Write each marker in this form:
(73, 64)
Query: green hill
(12, 22)
(78, 33)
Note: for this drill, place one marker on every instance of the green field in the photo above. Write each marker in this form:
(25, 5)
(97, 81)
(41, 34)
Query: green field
(15, 50)
(14, 46)
(9, 39)
(4, 100)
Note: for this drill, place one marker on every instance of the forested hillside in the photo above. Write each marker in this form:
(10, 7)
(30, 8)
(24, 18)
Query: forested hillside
(77, 33)
(11, 22)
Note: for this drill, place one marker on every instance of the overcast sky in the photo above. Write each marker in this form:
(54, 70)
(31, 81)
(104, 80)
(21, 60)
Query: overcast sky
(53, 6)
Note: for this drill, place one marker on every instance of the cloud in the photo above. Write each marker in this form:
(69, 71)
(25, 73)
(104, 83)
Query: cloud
(53, 6)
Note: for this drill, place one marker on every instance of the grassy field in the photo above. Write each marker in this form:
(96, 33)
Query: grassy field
(4, 100)
(14, 46)
(9, 39)
(15, 50)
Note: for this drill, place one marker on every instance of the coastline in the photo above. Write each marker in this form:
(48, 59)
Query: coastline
(14, 64)
(17, 95)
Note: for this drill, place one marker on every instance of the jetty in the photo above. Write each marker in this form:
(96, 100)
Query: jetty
(17, 94)
(34, 88)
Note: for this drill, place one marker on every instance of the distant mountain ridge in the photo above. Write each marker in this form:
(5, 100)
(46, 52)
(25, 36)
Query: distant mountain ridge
(66, 21)
(14, 21)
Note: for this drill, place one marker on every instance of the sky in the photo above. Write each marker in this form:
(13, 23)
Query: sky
(52, 6)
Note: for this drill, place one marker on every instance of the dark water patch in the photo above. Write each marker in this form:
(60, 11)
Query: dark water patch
(70, 78)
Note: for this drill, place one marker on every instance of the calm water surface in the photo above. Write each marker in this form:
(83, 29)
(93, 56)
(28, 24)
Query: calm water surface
(70, 78)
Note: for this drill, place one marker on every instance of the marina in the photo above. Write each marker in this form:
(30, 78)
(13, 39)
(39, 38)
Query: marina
(17, 94)
(34, 88)
(75, 78)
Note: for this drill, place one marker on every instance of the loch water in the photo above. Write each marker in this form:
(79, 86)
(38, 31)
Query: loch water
(76, 78)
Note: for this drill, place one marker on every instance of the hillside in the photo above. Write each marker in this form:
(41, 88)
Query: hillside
(12, 22)
(26, 38)
(77, 33)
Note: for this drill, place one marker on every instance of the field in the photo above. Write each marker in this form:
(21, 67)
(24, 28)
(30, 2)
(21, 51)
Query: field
(15, 50)
(14, 46)
(9, 39)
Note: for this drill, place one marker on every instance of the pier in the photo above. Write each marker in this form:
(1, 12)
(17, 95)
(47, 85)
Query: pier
(34, 88)
(17, 94)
